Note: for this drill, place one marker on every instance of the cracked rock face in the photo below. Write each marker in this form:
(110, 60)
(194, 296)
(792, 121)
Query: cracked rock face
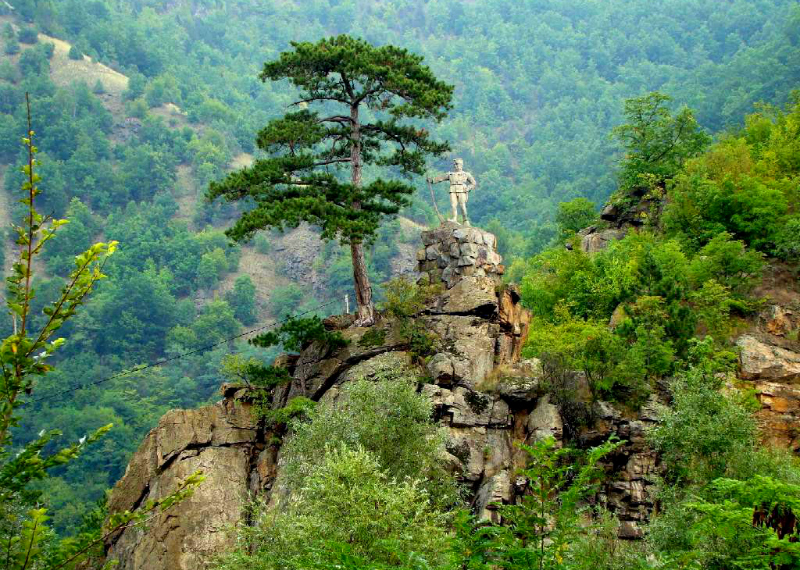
(769, 359)
(594, 240)
(765, 360)
(218, 440)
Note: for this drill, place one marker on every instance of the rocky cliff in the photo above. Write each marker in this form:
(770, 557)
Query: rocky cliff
(769, 354)
(488, 397)
(769, 351)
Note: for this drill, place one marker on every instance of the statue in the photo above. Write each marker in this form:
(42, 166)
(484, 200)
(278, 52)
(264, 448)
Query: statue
(461, 184)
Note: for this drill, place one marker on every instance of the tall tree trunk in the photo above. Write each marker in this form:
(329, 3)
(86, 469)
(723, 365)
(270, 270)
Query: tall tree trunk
(366, 310)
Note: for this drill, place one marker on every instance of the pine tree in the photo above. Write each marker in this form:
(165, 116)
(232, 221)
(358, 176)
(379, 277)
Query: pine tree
(301, 179)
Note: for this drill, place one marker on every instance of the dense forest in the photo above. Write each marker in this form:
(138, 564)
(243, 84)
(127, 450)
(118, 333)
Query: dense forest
(139, 104)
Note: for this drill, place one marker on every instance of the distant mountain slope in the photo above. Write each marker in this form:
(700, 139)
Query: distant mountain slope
(538, 84)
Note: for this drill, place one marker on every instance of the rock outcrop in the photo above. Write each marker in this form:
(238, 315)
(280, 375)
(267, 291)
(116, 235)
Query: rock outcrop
(221, 441)
(488, 398)
(452, 252)
(619, 218)
(594, 238)
(769, 354)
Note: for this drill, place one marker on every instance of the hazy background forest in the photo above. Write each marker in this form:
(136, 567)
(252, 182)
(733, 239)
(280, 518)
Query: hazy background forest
(138, 104)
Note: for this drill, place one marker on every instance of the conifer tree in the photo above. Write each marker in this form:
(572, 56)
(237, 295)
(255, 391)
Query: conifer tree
(372, 100)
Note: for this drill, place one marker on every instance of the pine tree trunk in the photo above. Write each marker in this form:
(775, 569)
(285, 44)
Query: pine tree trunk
(366, 310)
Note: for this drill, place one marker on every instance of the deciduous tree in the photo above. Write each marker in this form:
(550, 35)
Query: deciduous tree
(656, 141)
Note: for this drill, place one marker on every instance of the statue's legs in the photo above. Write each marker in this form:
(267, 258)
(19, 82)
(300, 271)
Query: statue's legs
(454, 206)
(462, 202)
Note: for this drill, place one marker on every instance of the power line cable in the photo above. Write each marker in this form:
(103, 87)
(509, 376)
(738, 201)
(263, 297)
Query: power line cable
(176, 357)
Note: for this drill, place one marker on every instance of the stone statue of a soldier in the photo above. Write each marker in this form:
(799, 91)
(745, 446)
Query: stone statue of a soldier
(461, 184)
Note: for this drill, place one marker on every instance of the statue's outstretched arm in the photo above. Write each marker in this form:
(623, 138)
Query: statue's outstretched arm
(441, 178)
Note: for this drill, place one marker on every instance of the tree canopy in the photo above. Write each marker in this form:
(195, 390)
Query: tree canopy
(299, 181)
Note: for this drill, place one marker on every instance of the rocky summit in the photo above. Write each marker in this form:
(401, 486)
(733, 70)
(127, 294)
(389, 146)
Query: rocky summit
(488, 396)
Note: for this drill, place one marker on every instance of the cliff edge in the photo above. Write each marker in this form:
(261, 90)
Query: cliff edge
(488, 397)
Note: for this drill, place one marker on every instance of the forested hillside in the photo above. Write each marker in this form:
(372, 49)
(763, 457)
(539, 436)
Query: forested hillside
(170, 100)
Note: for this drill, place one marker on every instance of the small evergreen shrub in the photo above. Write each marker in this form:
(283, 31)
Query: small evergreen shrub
(262, 243)
(373, 337)
(297, 333)
(477, 402)
(404, 301)
(75, 53)
(12, 47)
(422, 342)
(29, 35)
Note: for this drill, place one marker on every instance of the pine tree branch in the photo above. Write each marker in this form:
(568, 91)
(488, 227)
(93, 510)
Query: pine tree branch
(331, 161)
(315, 98)
(336, 119)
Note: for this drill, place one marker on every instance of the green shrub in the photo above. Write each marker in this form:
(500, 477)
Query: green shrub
(386, 417)
(262, 243)
(656, 141)
(404, 298)
(9, 72)
(364, 486)
(242, 299)
(541, 529)
(297, 333)
(137, 108)
(283, 301)
(748, 524)
(11, 47)
(75, 53)
(601, 548)
(787, 240)
(32, 63)
(262, 380)
(575, 215)
(28, 35)
(729, 263)
(592, 286)
(161, 90)
(297, 408)
(349, 513)
(651, 353)
(572, 344)
(712, 306)
(656, 295)
(373, 337)
(422, 343)
(704, 433)
(744, 185)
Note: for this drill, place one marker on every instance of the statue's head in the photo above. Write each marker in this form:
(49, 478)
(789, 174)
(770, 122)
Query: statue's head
(458, 164)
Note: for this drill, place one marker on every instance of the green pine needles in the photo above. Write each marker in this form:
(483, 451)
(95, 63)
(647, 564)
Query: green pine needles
(372, 101)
